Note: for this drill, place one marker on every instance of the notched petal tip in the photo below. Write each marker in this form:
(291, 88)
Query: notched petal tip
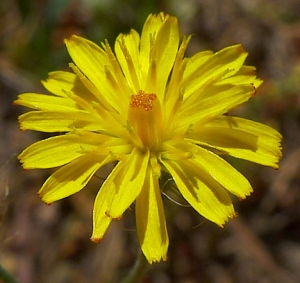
(19, 157)
(241, 48)
(233, 215)
(72, 37)
(42, 197)
(161, 15)
(245, 195)
(254, 90)
(276, 165)
(279, 153)
(66, 41)
(16, 102)
(96, 240)
(156, 259)
(46, 202)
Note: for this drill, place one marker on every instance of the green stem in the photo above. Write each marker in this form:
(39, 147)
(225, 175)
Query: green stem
(137, 270)
(6, 276)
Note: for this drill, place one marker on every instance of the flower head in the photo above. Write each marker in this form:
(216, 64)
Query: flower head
(151, 110)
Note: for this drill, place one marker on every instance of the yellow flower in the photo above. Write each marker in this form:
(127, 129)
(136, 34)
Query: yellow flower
(151, 110)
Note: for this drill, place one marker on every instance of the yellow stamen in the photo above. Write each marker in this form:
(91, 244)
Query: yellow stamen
(145, 118)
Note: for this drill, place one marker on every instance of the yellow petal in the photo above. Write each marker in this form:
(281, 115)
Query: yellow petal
(158, 50)
(127, 52)
(59, 82)
(53, 121)
(72, 177)
(224, 63)
(222, 172)
(162, 56)
(101, 220)
(150, 219)
(219, 100)
(150, 30)
(203, 193)
(117, 80)
(46, 102)
(241, 138)
(127, 182)
(93, 62)
(245, 75)
(174, 89)
(59, 150)
(195, 64)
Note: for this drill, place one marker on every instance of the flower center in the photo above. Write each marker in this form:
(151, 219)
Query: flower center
(143, 100)
(145, 117)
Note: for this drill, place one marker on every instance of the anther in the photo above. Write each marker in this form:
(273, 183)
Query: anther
(143, 100)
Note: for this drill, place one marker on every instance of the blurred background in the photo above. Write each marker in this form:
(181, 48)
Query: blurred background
(40, 243)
